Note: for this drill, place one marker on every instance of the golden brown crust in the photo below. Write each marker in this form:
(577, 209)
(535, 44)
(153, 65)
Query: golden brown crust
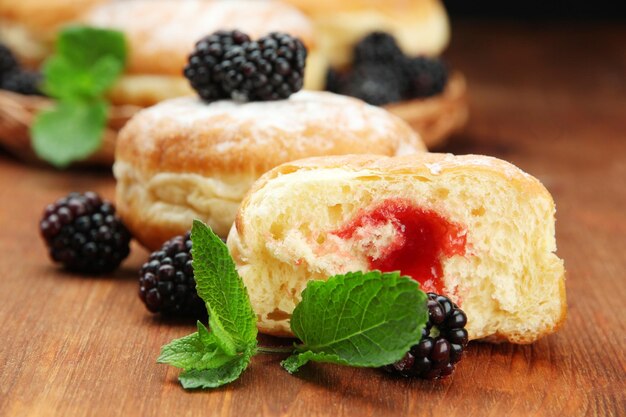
(255, 137)
(436, 118)
(170, 28)
(151, 235)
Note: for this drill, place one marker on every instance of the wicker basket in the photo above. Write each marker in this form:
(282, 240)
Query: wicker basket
(17, 113)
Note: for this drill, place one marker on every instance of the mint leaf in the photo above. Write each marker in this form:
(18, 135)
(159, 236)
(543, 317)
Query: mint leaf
(358, 319)
(65, 81)
(215, 377)
(83, 46)
(196, 351)
(231, 317)
(86, 63)
(68, 132)
(104, 73)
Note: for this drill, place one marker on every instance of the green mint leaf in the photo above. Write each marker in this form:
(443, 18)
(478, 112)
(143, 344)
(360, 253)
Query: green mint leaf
(358, 319)
(231, 317)
(83, 46)
(68, 132)
(197, 351)
(216, 377)
(64, 81)
(203, 333)
(68, 82)
(104, 73)
(86, 63)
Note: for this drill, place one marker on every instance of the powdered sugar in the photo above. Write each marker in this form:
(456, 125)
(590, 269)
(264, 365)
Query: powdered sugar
(300, 112)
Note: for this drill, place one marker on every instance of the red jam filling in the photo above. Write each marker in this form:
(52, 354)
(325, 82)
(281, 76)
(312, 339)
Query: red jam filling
(422, 240)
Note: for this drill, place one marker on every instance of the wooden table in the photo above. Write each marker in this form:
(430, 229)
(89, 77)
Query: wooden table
(549, 98)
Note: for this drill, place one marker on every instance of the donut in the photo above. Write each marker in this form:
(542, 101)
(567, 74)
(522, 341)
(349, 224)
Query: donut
(474, 228)
(160, 41)
(184, 158)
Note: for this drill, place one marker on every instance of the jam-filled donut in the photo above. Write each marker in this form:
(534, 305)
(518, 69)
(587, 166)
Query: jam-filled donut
(185, 158)
(474, 228)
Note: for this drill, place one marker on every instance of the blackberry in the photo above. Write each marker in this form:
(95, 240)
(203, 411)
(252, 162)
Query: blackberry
(376, 84)
(8, 63)
(166, 282)
(22, 82)
(203, 69)
(444, 339)
(377, 48)
(83, 233)
(229, 65)
(426, 77)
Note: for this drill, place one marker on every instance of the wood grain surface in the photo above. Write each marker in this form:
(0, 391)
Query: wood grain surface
(550, 98)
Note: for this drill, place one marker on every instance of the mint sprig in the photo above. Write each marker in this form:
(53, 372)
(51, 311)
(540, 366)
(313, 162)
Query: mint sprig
(357, 319)
(87, 62)
(212, 359)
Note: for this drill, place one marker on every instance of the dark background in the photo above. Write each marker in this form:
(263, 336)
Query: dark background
(539, 10)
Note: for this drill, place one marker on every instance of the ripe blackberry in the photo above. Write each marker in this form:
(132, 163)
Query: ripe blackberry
(377, 48)
(203, 69)
(22, 82)
(84, 234)
(230, 65)
(426, 77)
(166, 282)
(444, 339)
(8, 63)
(376, 84)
